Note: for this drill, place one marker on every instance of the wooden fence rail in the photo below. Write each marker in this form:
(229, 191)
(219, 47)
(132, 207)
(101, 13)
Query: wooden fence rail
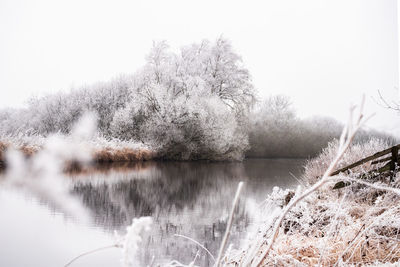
(388, 169)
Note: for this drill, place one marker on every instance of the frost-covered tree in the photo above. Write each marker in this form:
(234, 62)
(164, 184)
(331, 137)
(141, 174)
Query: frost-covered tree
(199, 70)
(58, 112)
(190, 104)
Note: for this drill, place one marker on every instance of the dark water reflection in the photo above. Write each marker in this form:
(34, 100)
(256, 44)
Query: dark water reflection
(186, 198)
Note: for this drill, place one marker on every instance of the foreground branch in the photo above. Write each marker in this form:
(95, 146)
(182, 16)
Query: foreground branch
(229, 225)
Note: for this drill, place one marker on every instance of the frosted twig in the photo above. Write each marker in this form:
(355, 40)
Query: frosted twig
(358, 233)
(229, 225)
(359, 181)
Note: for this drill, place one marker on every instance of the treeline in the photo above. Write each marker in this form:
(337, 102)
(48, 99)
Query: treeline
(277, 132)
(189, 105)
(198, 103)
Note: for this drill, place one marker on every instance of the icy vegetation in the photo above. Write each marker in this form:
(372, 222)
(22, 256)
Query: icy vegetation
(357, 226)
(319, 226)
(197, 103)
(187, 105)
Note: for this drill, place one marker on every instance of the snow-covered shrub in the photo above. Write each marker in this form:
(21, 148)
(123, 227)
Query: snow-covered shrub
(189, 129)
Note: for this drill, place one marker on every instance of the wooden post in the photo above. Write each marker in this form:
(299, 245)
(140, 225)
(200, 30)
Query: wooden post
(393, 162)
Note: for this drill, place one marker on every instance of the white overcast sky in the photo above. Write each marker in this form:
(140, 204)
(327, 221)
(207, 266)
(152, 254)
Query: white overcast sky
(323, 54)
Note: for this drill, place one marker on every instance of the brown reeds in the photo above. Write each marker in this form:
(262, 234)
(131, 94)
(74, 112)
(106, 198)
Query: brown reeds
(99, 156)
(368, 250)
(108, 155)
(26, 150)
(75, 169)
(355, 237)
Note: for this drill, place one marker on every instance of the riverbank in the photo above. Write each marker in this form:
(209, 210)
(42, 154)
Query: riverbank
(101, 152)
(358, 225)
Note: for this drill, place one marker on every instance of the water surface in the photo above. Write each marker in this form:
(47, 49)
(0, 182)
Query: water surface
(186, 198)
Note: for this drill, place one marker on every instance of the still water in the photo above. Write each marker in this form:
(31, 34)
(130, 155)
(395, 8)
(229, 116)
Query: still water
(185, 198)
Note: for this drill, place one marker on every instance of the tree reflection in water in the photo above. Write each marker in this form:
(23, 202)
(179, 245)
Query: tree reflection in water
(186, 198)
